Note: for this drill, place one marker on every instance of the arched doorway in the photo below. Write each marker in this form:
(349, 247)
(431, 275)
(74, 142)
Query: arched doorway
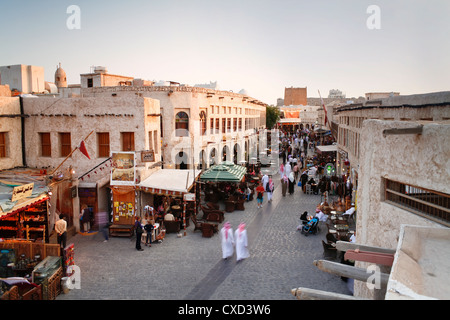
(212, 157)
(225, 153)
(236, 153)
(181, 124)
(181, 160)
(202, 160)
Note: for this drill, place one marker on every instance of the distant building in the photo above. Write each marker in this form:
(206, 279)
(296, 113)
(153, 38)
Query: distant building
(295, 96)
(23, 78)
(210, 85)
(336, 94)
(100, 77)
(381, 95)
(60, 77)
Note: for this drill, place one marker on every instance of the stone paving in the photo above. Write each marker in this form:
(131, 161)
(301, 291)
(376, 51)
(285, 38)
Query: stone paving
(192, 268)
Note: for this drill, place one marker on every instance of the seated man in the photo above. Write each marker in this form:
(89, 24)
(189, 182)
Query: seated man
(169, 217)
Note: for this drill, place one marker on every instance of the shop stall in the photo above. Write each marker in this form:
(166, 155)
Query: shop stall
(122, 181)
(170, 191)
(25, 218)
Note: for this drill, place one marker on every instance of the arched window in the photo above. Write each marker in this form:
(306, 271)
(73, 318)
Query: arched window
(202, 123)
(182, 124)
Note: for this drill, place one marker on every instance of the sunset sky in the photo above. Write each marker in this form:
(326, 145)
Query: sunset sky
(261, 46)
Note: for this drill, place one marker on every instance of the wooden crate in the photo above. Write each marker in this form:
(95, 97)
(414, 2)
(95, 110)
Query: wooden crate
(51, 287)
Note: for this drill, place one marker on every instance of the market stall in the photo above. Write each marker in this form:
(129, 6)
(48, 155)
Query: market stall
(24, 211)
(122, 181)
(226, 178)
(172, 191)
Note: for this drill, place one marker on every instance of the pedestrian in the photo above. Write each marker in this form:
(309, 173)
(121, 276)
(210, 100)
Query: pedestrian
(227, 237)
(304, 180)
(139, 230)
(265, 180)
(260, 195)
(148, 227)
(295, 169)
(103, 224)
(270, 188)
(291, 183)
(241, 242)
(284, 184)
(61, 230)
(85, 218)
(248, 192)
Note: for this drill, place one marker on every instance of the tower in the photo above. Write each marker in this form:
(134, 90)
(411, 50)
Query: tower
(60, 77)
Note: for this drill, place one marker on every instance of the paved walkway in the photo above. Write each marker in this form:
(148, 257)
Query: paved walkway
(191, 267)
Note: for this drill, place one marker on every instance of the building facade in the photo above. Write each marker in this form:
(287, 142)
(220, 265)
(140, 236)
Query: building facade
(199, 126)
(56, 127)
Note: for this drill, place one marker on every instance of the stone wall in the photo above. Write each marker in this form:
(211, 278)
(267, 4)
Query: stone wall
(419, 160)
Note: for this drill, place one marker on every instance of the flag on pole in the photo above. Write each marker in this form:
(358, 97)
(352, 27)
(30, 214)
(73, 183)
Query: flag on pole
(324, 109)
(83, 149)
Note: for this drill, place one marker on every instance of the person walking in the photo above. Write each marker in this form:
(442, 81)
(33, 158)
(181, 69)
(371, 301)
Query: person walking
(139, 230)
(241, 243)
(227, 238)
(269, 190)
(284, 185)
(265, 180)
(85, 217)
(291, 183)
(61, 230)
(103, 223)
(148, 227)
(260, 195)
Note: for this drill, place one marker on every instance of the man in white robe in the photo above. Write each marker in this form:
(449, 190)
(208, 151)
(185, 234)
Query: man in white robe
(241, 243)
(226, 234)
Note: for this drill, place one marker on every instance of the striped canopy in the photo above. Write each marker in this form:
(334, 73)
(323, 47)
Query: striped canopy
(224, 172)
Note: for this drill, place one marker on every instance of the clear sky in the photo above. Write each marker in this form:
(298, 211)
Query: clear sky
(262, 46)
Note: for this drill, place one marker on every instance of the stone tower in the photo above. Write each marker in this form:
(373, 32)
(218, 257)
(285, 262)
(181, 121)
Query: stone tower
(60, 77)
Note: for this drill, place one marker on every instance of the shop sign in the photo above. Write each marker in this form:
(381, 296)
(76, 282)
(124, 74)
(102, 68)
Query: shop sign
(23, 191)
(148, 156)
(189, 197)
(123, 170)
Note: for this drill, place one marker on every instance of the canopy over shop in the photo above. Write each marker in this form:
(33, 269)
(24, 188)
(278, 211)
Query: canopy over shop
(225, 177)
(23, 206)
(172, 191)
(224, 172)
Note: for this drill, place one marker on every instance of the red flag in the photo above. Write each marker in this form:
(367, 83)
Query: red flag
(324, 109)
(83, 149)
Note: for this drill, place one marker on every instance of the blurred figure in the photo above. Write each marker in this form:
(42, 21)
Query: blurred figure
(241, 243)
(103, 224)
(226, 234)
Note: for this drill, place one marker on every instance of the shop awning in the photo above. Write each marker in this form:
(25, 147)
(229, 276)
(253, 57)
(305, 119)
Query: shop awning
(224, 172)
(21, 205)
(291, 121)
(329, 148)
(173, 182)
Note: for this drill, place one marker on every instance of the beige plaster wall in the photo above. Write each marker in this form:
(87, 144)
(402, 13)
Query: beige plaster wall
(13, 129)
(420, 160)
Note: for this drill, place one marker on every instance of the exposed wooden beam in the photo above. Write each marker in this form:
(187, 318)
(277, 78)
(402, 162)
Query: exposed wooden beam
(344, 246)
(385, 259)
(312, 294)
(348, 271)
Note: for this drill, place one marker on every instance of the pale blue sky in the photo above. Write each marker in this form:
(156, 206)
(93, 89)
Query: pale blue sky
(260, 45)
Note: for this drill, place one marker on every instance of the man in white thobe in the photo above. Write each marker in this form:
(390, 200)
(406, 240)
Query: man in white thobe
(241, 242)
(226, 234)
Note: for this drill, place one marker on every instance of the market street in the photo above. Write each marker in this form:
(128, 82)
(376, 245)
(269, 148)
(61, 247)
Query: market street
(192, 268)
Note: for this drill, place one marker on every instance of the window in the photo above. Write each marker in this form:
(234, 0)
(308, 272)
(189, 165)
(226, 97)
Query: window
(65, 144)
(155, 140)
(46, 145)
(90, 82)
(127, 141)
(235, 124)
(202, 123)
(240, 124)
(217, 125)
(229, 125)
(224, 125)
(211, 126)
(3, 146)
(103, 144)
(427, 203)
(182, 124)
